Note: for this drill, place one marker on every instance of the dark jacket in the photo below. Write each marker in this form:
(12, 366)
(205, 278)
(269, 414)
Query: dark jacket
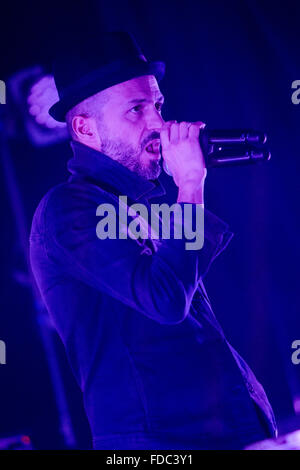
(147, 351)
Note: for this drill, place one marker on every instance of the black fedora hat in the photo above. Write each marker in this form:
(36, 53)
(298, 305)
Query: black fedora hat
(110, 58)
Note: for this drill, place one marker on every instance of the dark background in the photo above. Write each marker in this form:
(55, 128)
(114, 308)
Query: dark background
(229, 64)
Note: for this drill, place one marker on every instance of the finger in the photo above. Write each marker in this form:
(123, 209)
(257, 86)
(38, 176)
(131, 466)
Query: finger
(201, 124)
(174, 133)
(164, 136)
(194, 130)
(183, 130)
(168, 123)
(165, 131)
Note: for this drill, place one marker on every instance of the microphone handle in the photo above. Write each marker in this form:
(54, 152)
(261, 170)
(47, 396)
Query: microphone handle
(239, 155)
(232, 136)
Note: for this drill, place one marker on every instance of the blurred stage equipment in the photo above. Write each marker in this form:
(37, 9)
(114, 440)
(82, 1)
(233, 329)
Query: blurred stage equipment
(20, 442)
(33, 92)
(40, 132)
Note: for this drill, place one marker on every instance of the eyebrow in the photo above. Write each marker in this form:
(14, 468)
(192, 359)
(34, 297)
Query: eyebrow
(144, 100)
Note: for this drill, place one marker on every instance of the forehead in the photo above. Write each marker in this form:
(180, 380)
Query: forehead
(145, 86)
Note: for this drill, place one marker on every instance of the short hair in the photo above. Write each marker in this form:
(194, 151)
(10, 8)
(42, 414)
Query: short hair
(90, 107)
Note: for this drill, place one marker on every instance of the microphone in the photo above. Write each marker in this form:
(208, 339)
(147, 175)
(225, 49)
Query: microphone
(228, 147)
(223, 136)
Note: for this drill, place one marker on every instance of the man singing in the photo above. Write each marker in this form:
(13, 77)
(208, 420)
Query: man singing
(152, 361)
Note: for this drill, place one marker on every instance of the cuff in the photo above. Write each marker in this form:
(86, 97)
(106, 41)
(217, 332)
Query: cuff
(216, 232)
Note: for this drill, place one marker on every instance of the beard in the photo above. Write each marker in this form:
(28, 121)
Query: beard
(130, 157)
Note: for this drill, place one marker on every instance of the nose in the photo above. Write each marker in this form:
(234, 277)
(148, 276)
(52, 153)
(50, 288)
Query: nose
(155, 120)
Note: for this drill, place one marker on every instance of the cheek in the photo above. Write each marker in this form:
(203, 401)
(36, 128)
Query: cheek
(131, 132)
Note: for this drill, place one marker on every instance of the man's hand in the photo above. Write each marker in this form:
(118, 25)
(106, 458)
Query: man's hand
(182, 153)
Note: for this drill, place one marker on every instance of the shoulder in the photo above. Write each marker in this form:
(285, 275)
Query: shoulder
(68, 201)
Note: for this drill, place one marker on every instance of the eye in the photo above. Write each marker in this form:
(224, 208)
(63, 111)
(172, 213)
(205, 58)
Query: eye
(136, 109)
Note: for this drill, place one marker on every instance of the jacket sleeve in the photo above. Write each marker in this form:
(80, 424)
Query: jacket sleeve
(159, 285)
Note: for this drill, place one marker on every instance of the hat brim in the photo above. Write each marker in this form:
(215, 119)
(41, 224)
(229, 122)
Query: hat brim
(101, 80)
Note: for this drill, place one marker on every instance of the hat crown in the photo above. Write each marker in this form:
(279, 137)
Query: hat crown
(92, 53)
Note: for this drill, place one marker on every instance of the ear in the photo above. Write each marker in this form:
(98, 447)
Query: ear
(86, 131)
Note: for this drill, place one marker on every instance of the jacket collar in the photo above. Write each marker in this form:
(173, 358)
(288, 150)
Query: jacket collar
(104, 171)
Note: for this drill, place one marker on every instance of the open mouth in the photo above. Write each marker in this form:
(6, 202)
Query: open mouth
(153, 147)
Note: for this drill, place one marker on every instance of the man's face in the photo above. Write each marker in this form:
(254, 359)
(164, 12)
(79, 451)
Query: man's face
(129, 122)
